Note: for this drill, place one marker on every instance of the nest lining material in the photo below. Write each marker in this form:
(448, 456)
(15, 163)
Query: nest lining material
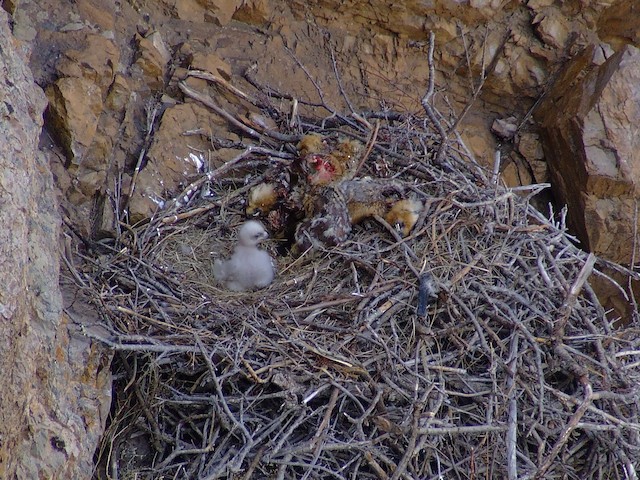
(514, 372)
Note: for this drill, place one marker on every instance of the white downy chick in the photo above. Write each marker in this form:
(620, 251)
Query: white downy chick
(249, 267)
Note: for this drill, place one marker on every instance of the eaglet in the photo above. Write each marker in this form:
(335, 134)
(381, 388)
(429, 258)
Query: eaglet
(249, 267)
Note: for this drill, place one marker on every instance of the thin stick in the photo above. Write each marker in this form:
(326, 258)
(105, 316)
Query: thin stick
(151, 118)
(427, 100)
(263, 137)
(566, 432)
(221, 81)
(572, 295)
(512, 432)
(483, 76)
(370, 143)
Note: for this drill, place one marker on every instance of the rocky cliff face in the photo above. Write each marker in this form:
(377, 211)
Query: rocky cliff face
(55, 392)
(589, 122)
(110, 74)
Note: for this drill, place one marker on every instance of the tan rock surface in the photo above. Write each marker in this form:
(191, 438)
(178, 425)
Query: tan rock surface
(219, 13)
(589, 133)
(76, 98)
(619, 24)
(55, 389)
(530, 147)
(553, 27)
(153, 59)
(171, 163)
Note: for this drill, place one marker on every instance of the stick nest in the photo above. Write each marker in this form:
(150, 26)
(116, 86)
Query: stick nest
(514, 371)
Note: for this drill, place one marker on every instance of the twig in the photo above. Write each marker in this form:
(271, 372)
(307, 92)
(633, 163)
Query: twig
(370, 143)
(566, 432)
(185, 196)
(189, 214)
(495, 177)
(512, 432)
(379, 471)
(324, 104)
(572, 295)
(263, 137)
(428, 108)
(338, 79)
(331, 303)
(248, 475)
(632, 263)
(321, 433)
(128, 343)
(270, 91)
(462, 430)
(411, 444)
(151, 118)
(236, 91)
(483, 76)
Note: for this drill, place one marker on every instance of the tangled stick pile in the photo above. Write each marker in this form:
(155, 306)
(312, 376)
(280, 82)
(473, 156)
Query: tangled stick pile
(514, 370)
